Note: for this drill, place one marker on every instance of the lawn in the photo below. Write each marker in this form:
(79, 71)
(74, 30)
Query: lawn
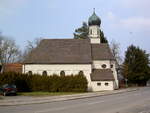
(46, 93)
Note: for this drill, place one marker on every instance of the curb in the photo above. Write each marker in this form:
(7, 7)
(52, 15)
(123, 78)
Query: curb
(62, 98)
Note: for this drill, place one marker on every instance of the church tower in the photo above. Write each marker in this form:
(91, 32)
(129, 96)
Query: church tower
(94, 23)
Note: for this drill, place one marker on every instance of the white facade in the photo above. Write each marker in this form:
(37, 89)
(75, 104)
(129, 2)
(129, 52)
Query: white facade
(94, 34)
(75, 69)
(94, 31)
(102, 85)
(95, 40)
(97, 64)
(69, 69)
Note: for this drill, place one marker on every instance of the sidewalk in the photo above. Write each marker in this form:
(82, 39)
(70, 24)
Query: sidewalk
(23, 100)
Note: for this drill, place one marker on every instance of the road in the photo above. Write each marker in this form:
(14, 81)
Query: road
(128, 102)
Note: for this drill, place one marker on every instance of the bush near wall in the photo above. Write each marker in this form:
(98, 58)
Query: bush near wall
(54, 83)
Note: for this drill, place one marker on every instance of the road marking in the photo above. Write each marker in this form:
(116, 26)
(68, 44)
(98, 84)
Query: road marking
(68, 107)
(95, 102)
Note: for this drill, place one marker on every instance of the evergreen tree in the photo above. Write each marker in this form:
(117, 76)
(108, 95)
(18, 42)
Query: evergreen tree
(136, 65)
(103, 38)
(83, 32)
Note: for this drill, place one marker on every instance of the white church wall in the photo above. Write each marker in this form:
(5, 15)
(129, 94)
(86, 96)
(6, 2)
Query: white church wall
(94, 31)
(95, 40)
(57, 68)
(102, 85)
(98, 65)
(115, 74)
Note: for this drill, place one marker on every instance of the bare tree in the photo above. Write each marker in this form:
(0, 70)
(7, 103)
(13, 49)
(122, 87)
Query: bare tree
(29, 47)
(33, 44)
(115, 48)
(9, 51)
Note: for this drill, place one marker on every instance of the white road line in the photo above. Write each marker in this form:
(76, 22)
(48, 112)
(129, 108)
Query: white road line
(68, 107)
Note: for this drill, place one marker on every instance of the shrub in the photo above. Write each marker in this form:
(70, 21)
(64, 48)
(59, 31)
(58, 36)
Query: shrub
(54, 83)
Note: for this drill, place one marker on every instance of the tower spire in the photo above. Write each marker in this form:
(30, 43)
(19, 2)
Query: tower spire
(93, 10)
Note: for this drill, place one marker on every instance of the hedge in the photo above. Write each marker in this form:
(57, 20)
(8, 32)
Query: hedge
(53, 83)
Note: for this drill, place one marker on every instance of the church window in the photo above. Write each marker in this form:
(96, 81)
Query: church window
(111, 66)
(91, 31)
(98, 32)
(106, 84)
(104, 66)
(99, 84)
(81, 73)
(44, 73)
(62, 73)
(93, 70)
(30, 72)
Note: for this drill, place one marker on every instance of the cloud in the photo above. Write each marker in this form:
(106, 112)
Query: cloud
(136, 23)
(135, 3)
(111, 16)
(139, 23)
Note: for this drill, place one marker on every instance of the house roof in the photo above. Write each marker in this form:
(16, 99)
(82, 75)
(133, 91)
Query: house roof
(102, 75)
(61, 51)
(13, 67)
(101, 52)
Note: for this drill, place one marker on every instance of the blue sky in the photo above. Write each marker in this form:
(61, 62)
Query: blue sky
(125, 21)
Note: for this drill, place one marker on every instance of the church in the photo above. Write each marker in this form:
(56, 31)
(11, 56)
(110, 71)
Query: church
(71, 56)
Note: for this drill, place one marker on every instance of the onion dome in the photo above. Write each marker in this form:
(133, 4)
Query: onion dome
(94, 20)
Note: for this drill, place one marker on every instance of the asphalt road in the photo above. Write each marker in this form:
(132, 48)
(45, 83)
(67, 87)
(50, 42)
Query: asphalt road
(129, 102)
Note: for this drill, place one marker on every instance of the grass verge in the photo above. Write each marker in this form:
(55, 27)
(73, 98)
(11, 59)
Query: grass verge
(46, 93)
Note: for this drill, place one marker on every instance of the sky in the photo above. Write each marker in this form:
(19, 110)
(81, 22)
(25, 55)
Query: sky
(125, 21)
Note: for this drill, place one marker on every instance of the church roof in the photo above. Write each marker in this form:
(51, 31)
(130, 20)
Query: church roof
(102, 75)
(61, 51)
(68, 51)
(101, 52)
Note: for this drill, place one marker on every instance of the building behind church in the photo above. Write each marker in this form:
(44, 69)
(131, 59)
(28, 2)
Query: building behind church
(71, 56)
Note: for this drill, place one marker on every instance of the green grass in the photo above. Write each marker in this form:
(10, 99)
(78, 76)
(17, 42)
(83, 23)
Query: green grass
(46, 93)
(1, 97)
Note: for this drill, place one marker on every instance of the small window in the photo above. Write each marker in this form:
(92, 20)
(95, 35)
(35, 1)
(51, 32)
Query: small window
(93, 70)
(91, 31)
(81, 73)
(104, 66)
(99, 84)
(106, 84)
(44, 73)
(111, 66)
(30, 72)
(98, 32)
(62, 73)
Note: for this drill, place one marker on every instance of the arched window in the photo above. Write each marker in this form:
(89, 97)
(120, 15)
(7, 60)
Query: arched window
(99, 84)
(104, 66)
(81, 73)
(44, 73)
(62, 73)
(98, 31)
(30, 72)
(91, 31)
(111, 65)
(106, 84)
